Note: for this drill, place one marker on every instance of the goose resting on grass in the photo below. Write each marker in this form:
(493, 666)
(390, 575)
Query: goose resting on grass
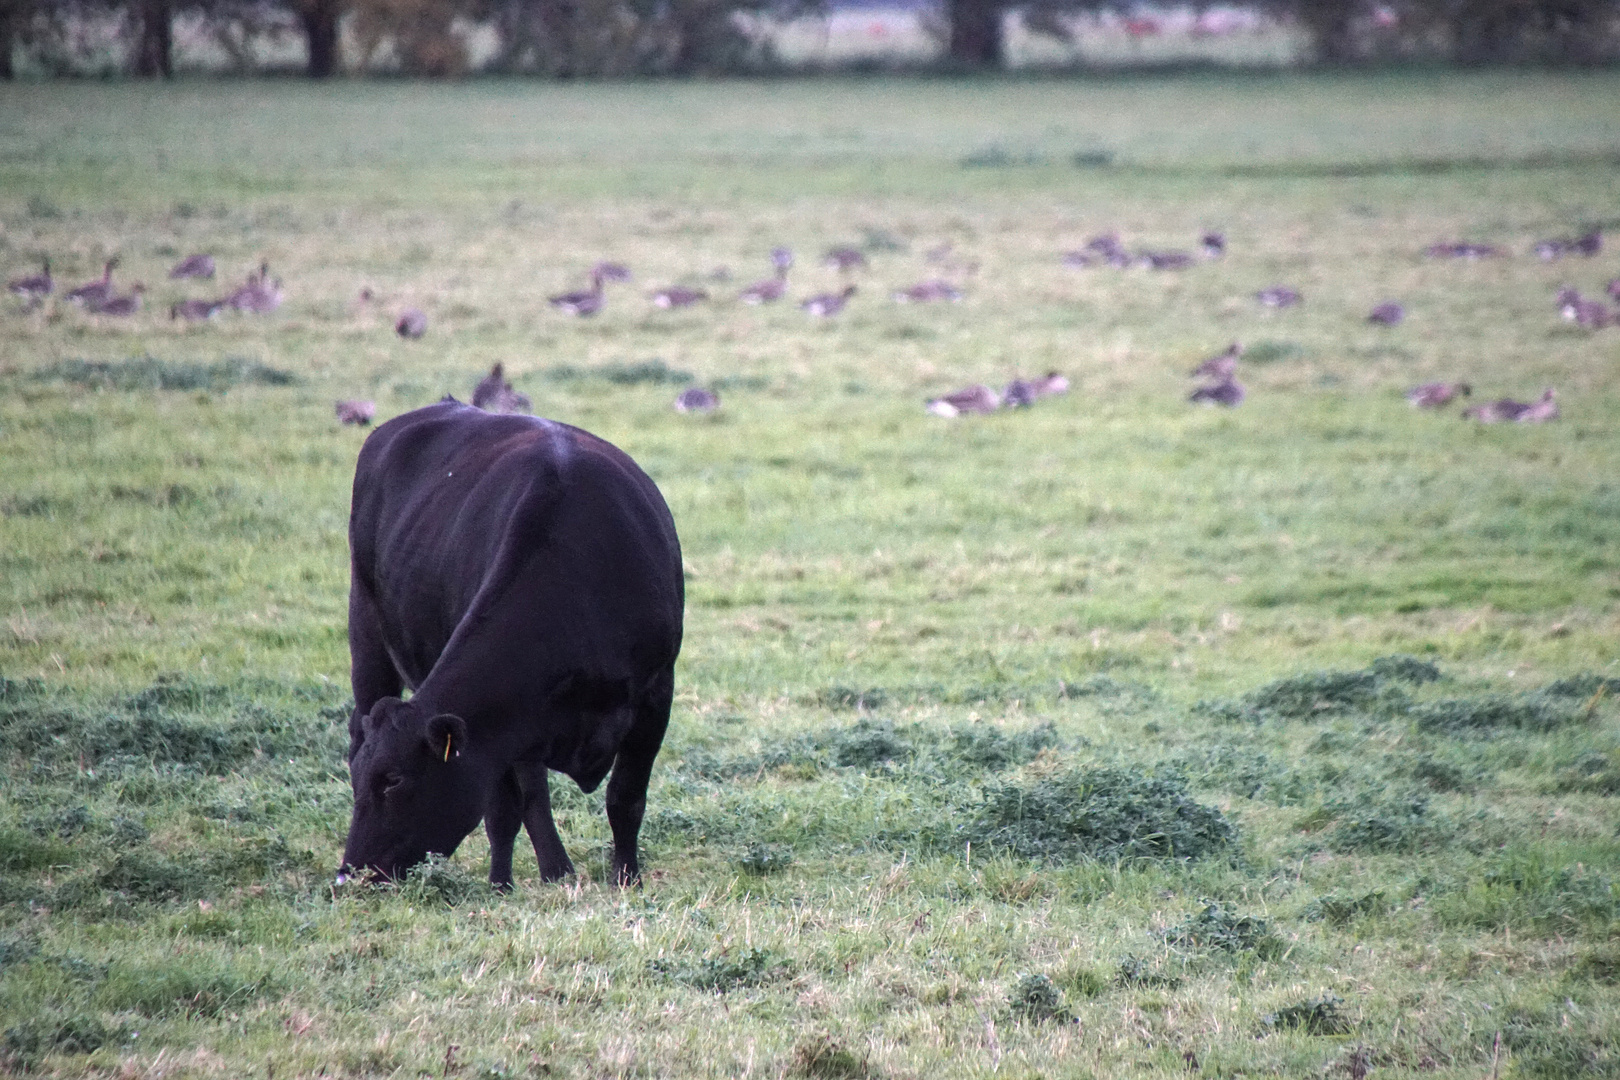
(772, 288)
(193, 266)
(1221, 365)
(1436, 394)
(1506, 409)
(827, 305)
(35, 287)
(1228, 392)
(583, 303)
(358, 413)
(412, 324)
(1388, 313)
(121, 307)
(698, 400)
(195, 310)
(677, 296)
(979, 399)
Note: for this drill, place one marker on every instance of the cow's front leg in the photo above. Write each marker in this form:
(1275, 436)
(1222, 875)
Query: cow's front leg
(502, 818)
(548, 846)
(632, 770)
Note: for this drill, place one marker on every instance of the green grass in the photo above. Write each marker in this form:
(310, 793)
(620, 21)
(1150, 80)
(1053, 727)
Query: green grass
(1048, 743)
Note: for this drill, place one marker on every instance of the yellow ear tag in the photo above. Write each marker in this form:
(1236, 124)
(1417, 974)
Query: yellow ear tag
(447, 748)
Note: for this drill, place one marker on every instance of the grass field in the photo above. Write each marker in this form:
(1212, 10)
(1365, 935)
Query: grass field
(1112, 737)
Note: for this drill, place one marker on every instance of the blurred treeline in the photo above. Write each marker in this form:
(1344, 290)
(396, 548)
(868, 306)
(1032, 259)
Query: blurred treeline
(618, 38)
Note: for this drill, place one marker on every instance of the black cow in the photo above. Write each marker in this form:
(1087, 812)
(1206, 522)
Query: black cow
(523, 577)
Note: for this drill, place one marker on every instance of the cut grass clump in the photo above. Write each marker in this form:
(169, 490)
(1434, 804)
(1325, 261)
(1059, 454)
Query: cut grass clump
(1099, 812)
(1495, 712)
(1138, 974)
(1034, 997)
(724, 972)
(1315, 1016)
(1220, 929)
(80, 1033)
(1376, 689)
(1596, 773)
(1338, 911)
(439, 880)
(762, 859)
(150, 373)
(870, 745)
(822, 1057)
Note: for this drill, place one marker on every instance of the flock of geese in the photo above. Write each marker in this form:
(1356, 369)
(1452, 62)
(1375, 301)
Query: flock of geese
(260, 294)
(257, 295)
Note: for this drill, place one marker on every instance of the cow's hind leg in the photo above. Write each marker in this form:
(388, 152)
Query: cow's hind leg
(502, 818)
(548, 846)
(632, 769)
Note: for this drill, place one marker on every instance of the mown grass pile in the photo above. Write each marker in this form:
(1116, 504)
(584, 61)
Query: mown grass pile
(1108, 737)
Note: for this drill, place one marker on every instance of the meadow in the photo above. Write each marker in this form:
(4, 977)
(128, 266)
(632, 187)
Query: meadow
(1110, 737)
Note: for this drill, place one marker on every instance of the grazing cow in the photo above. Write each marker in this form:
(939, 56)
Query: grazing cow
(524, 579)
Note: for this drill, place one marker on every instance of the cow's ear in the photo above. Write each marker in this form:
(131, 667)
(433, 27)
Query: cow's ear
(378, 715)
(446, 735)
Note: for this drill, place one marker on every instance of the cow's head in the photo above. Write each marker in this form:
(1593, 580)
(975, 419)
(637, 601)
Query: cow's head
(419, 788)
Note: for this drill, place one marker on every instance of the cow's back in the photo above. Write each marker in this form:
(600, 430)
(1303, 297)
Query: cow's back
(516, 536)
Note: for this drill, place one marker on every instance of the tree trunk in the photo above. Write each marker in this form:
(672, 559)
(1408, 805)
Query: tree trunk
(154, 56)
(1330, 23)
(320, 19)
(10, 23)
(976, 33)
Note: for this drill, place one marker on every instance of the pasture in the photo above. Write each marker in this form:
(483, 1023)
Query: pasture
(1110, 737)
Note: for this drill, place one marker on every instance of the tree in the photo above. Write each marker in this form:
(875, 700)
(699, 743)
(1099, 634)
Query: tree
(976, 33)
(320, 21)
(154, 43)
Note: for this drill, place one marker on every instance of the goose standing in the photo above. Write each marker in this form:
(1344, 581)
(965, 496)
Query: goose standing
(583, 303)
(1165, 260)
(258, 295)
(1053, 382)
(1214, 244)
(979, 399)
(1436, 394)
(772, 288)
(494, 394)
(193, 266)
(93, 293)
(1018, 394)
(827, 305)
(35, 287)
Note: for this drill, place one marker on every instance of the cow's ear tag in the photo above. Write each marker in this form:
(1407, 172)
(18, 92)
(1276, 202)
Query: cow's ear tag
(447, 747)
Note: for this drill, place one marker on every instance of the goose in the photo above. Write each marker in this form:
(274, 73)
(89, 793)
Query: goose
(1494, 412)
(193, 266)
(677, 296)
(258, 295)
(1544, 409)
(1591, 314)
(928, 291)
(1551, 250)
(772, 288)
(618, 273)
(1278, 296)
(356, 412)
(412, 323)
(697, 400)
(121, 307)
(195, 310)
(1221, 365)
(1165, 260)
(843, 259)
(1461, 249)
(1588, 245)
(494, 394)
(1389, 313)
(826, 305)
(1051, 383)
(1435, 394)
(583, 303)
(1228, 392)
(94, 293)
(1018, 394)
(35, 287)
(978, 398)
(1214, 244)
